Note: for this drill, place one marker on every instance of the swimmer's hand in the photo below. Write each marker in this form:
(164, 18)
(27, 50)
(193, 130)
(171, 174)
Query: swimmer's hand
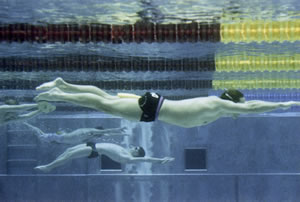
(10, 116)
(46, 107)
(42, 168)
(123, 130)
(166, 160)
(287, 105)
(116, 131)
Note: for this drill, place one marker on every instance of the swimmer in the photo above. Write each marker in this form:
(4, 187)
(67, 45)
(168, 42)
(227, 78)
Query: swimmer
(113, 151)
(12, 111)
(77, 136)
(186, 113)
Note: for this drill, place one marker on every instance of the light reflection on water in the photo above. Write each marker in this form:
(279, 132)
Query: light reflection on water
(159, 11)
(130, 11)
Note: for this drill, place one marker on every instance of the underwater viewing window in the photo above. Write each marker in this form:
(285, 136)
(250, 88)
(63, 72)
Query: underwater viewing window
(108, 164)
(195, 159)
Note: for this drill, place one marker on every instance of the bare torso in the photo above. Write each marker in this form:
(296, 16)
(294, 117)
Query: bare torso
(191, 112)
(113, 151)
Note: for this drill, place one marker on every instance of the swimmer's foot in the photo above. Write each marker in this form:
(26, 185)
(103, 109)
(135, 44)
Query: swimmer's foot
(52, 95)
(58, 82)
(43, 169)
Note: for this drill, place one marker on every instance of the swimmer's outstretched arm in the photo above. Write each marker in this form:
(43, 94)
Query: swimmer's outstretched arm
(37, 130)
(17, 108)
(43, 107)
(111, 131)
(98, 133)
(24, 117)
(256, 106)
(150, 160)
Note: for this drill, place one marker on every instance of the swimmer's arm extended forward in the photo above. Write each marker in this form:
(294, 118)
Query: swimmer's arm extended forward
(43, 107)
(37, 130)
(24, 117)
(108, 132)
(17, 108)
(256, 106)
(150, 159)
(114, 131)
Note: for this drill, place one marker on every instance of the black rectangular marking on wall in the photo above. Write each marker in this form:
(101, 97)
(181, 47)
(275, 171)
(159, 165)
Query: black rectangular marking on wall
(195, 159)
(108, 164)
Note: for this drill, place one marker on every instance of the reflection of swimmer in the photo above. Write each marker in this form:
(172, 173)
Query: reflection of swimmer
(113, 151)
(186, 113)
(12, 111)
(77, 136)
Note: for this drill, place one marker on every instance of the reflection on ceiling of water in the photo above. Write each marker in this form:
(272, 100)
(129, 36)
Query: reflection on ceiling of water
(234, 62)
(130, 11)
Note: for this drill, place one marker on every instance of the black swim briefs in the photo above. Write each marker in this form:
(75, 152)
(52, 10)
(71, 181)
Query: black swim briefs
(94, 152)
(150, 103)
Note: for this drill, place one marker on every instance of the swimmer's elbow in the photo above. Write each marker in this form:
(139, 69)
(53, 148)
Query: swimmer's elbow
(251, 107)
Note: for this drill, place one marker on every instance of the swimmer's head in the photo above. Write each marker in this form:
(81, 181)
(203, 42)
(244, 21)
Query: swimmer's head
(138, 152)
(11, 101)
(233, 95)
(59, 132)
(99, 128)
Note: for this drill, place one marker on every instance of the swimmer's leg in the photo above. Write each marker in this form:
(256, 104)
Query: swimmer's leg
(125, 107)
(83, 99)
(72, 88)
(78, 151)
